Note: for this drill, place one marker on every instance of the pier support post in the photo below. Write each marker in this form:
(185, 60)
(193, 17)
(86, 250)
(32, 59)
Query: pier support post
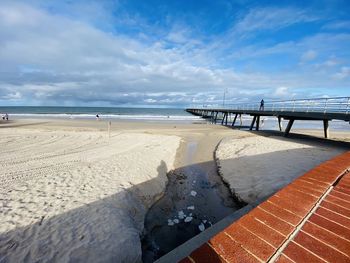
(223, 118)
(252, 125)
(326, 128)
(226, 118)
(280, 123)
(257, 123)
(240, 120)
(216, 117)
(289, 126)
(234, 120)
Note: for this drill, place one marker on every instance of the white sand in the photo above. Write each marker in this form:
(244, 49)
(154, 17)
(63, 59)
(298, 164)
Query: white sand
(256, 166)
(76, 195)
(68, 193)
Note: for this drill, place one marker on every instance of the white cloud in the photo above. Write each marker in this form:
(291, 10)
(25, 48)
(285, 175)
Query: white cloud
(54, 59)
(10, 95)
(308, 55)
(284, 93)
(281, 92)
(272, 18)
(331, 62)
(336, 25)
(343, 73)
(321, 43)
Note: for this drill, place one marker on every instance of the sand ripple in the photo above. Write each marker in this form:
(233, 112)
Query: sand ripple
(78, 196)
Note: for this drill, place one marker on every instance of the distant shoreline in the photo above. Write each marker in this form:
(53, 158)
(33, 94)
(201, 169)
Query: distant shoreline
(270, 124)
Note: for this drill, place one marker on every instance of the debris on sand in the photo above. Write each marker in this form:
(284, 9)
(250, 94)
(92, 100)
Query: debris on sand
(181, 214)
(201, 227)
(188, 219)
(170, 222)
(176, 221)
(191, 207)
(193, 193)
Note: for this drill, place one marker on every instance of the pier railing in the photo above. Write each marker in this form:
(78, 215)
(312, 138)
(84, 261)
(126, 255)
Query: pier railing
(320, 105)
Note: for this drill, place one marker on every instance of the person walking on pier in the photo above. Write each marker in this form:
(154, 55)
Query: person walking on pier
(262, 104)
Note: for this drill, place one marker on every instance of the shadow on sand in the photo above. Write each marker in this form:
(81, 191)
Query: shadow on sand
(106, 230)
(14, 124)
(110, 229)
(310, 140)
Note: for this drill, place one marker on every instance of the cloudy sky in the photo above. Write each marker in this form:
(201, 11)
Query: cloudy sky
(176, 53)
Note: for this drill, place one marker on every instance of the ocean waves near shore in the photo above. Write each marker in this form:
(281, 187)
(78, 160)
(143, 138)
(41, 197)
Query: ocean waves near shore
(109, 116)
(147, 114)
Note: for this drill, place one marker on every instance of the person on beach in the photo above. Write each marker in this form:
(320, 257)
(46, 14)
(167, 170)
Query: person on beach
(97, 117)
(262, 104)
(6, 116)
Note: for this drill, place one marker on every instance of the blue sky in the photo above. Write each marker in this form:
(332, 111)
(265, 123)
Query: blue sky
(175, 53)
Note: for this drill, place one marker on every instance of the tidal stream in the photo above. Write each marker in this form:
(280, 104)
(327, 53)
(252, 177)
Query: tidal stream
(195, 199)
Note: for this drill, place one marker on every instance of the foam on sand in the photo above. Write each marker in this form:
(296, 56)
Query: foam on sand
(78, 196)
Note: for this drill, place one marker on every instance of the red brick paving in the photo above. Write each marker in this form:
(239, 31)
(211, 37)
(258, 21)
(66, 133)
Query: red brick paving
(230, 250)
(306, 221)
(206, 254)
(284, 259)
(249, 241)
(298, 253)
(281, 213)
(319, 248)
(336, 208)
(330, 226)
(327, 237)
(261, 230)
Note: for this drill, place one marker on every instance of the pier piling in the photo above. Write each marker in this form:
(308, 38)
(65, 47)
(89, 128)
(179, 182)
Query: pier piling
(252, 124)
(326, 128)
(280, 123)
(234, 120)
(289, 127)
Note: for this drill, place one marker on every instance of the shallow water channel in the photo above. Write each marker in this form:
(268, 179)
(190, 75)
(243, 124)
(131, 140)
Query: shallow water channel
(195, 198)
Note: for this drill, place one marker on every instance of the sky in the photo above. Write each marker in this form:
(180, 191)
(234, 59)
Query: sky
(171, 53)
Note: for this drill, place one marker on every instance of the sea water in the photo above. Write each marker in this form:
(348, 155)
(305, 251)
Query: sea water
(152, 114)
(120, 113)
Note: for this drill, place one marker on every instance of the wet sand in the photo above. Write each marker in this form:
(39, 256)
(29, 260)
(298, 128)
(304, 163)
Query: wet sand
(195, 198)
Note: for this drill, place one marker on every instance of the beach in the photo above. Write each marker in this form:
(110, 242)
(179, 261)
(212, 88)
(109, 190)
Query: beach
(73, 194)
(72, 191)
(256, 167)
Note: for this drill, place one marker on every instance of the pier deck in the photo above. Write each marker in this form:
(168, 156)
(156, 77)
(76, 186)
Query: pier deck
(307, 110)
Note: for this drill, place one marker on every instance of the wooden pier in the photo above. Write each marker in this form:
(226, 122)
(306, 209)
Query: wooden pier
(324, 109)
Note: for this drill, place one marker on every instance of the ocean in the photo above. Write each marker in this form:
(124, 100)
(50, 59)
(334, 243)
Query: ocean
(147, 114)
